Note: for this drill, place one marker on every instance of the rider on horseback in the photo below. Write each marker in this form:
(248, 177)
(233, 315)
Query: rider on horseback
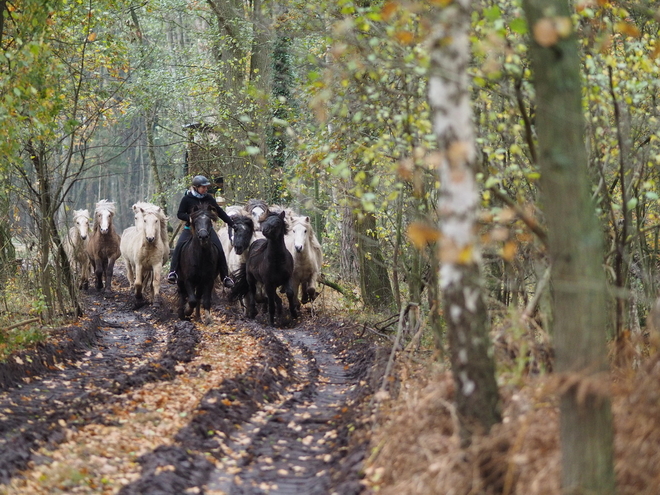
(195, 197)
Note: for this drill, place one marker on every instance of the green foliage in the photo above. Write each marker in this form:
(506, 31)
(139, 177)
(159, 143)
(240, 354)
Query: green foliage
(338, 116)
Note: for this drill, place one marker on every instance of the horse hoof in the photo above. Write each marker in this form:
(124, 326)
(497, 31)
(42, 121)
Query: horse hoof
(139, 304)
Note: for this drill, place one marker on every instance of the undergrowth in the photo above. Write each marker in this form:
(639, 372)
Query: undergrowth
(21, 308)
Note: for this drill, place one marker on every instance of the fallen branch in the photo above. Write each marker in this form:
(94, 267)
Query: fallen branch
(21, 323)
(337, 287)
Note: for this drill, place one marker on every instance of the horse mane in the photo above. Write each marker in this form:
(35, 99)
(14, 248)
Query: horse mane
(150, 208)
(243, 219)
(81, 213)
(236, 211)
(103, 205)
(253, 203)
(204, 209)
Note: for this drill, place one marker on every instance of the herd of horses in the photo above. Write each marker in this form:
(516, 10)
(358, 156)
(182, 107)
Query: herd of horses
(267, 248)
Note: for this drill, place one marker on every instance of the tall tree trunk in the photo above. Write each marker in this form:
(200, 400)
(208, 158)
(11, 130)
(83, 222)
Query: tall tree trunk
(374, 279)
(48, 236)
(576, 251)
(150, 124)
(477, 399)
(150, 117)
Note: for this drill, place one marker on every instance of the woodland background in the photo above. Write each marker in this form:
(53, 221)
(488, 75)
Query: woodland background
(323, 106)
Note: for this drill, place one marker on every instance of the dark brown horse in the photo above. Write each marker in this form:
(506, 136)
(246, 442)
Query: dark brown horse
(199, 264)
(268, 264)
(103, 247)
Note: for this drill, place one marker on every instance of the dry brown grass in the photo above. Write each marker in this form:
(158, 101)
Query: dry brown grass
(415, 447)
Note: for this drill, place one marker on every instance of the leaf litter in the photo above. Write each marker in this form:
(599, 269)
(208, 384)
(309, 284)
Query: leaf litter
(97, 458)
(171, 414)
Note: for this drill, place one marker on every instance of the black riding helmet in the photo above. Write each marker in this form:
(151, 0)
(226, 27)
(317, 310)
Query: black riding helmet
(200, 181)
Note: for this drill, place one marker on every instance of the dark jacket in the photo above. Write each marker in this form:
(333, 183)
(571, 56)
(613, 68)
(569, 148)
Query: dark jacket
(189, 202)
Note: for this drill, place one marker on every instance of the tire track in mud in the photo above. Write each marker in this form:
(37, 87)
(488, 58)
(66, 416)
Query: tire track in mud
(115, 345)
(281, 427)
(289, 448)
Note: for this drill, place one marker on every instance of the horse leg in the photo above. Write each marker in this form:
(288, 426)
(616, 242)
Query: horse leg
(271, 293)
(139, 275)
(206, 303)
(250, 303)
(309, 291)
(295, 283)
(192, 300)
(98, 272)
(155, 277)
(130, 274)
(183, 296)
(293, 300)
(278, 303)
(84, 274)
(108, 273)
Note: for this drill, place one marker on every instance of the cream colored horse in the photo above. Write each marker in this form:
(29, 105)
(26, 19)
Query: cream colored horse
(307, 254)
(145, 248)
(75, 246)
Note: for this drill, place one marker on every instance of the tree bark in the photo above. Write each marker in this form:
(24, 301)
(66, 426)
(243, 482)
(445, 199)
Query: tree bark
(150, 124)
(576, 251)
(374, 279)
(473, 367)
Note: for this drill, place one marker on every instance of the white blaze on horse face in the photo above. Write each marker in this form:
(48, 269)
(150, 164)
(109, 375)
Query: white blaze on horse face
(104, 218)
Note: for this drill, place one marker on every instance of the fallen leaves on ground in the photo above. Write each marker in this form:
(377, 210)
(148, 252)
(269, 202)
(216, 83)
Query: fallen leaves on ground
(101, 458)
(415, 448)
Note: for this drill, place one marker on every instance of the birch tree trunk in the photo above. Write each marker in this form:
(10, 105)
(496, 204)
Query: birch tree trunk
(477, 399)
(576, 250)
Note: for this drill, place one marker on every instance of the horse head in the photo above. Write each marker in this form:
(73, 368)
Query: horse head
(300, 229)
(258, 209)
(148, 219)
(151, 225)
(274, 227)
(201, 223)
(104, 212)
(243, 232)
(81, 222)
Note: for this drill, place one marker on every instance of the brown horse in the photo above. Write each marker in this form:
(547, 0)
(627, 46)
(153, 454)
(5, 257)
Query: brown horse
(103, 247)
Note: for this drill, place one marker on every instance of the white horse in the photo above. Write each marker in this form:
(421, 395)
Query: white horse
(258, 210)
(145, 248)
(75, 246)
(307, 254)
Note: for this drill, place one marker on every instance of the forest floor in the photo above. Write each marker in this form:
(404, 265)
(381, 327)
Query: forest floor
(133, 401)
(415, 447)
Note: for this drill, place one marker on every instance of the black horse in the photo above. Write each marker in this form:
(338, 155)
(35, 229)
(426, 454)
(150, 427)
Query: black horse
(243, 232)
(269, 263)
(199, 265)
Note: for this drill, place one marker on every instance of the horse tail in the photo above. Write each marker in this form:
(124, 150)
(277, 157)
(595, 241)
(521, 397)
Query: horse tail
(241, 286)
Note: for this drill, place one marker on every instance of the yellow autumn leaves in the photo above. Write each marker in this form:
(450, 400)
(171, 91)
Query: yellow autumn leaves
(422, 235)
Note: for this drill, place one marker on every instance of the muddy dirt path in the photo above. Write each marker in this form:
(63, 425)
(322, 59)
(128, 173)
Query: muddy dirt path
(266, 410)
